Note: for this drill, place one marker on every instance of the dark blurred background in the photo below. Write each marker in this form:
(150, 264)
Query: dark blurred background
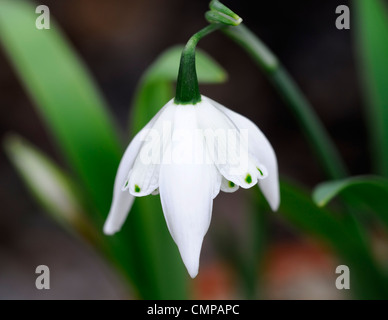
(118, 40)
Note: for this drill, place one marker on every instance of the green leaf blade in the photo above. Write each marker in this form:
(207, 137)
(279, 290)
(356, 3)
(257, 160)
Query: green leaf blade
(65, 96)
(371, 39)
(364, 192)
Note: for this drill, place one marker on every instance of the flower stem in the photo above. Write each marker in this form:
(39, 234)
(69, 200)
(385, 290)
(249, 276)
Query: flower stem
(187, 90)
(311, 125)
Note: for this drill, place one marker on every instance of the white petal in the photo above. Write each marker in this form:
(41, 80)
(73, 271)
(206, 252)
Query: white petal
(144, 176)
(187, 190)
(228, 186)
(122, 201)
(260, 147)
(228, 147)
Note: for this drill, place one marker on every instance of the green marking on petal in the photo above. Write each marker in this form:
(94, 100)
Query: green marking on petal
(126, 184)
(261, 172)
(231, 184)
(248, 178)
(137, 188)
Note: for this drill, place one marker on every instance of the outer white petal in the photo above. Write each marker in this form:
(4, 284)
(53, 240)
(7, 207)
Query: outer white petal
(228, 148)
(122, 201)
(260, 147)
(187, 189)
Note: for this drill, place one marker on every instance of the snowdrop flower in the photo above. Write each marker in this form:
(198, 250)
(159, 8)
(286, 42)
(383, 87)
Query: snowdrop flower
(188, 183)
(193, 148)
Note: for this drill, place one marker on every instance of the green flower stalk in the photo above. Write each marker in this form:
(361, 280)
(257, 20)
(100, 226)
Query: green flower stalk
(187, 89)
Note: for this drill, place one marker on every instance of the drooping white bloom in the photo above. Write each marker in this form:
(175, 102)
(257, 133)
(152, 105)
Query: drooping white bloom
(188, 153)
